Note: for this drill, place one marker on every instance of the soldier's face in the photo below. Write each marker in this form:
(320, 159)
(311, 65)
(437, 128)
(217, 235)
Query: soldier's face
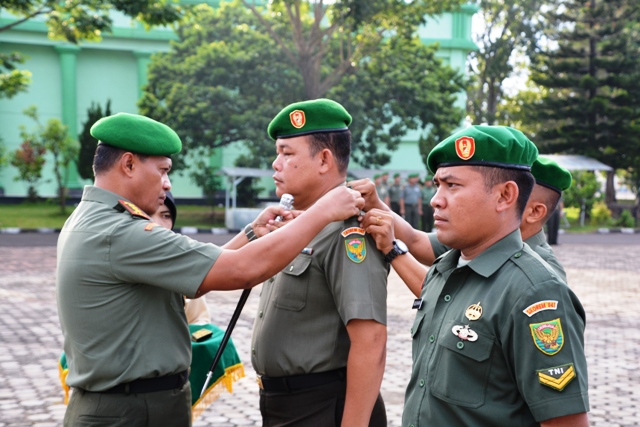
(151, 182)
(464, 211)
(296, 170)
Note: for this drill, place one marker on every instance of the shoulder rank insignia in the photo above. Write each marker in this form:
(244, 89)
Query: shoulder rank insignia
(539, 306)
(151, 226)
(548, 336)
(133, 209)
(355, 244)
(557, 377)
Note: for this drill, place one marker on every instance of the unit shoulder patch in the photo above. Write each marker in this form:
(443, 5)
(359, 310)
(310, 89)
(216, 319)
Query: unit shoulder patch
(548, 336)
(355, 244)
(133, 209)
(539, 306)
(557, 377)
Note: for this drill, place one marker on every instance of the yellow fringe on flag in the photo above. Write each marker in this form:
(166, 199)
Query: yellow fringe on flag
(232, 374)
(63, 381)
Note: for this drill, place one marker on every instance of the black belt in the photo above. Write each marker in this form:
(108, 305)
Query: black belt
(150, 385)
(300, 382)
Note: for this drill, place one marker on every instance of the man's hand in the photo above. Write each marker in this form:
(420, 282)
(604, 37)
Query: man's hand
(367, 188)
(379, 224)
(338, 204)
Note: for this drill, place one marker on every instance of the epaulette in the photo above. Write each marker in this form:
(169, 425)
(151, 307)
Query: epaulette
(133, 209)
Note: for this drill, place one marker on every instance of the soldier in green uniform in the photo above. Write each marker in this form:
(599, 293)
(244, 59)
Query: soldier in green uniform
(551, 180)
(319, 336)
(498, 338)
(411, 201)
(395, 194)
(428, 191)
(120, 279)
(381, 188)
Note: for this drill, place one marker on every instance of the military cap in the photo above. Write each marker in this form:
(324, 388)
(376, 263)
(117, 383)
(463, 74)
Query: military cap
(396, 175)
(138, 134)
(170, 202)
(376, 176)
(307, 117)
(414, 175)
(551, 175)
(497, 146)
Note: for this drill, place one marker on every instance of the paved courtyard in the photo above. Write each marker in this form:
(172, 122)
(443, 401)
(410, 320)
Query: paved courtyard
(606, 277)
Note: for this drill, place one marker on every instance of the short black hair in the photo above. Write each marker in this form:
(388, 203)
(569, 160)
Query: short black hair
(106, 156)
(339, 143)
(523, 179)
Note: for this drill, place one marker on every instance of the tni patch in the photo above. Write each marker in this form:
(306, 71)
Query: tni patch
(548, 336)
(557, 377)
(355, 244)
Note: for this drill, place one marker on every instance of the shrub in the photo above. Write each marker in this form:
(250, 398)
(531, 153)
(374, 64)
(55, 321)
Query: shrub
(600, 214)
(626, 219)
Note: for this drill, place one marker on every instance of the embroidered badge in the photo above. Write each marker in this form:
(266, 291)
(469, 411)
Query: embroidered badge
(133, 209)
(465, 147)
(548, 336)
(465, 333)
(540, 306)
(298, 119)
(355, 245)
(150, 226)
(473, 312)
(557, 377)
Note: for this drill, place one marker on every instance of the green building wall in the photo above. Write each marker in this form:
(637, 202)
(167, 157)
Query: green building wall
(67, 79)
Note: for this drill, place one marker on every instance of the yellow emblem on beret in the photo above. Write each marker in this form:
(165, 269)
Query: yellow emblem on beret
(465, 147)
(298, 119)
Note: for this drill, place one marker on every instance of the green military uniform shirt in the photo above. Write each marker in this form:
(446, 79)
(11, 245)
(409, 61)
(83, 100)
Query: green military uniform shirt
(538, 242)
(411, 194)
(383, 191)
(427, 195)
(119, 284)
(300, 324)
(395, 193)
(498, 342)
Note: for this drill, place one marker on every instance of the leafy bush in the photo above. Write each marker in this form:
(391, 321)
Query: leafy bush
(600, 214)
(626, 219)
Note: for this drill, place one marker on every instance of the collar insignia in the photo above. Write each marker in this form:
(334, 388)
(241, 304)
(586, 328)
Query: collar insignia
(133, 209)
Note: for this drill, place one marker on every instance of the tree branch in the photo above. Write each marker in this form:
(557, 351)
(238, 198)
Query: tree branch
(273, 34)
(39, 11)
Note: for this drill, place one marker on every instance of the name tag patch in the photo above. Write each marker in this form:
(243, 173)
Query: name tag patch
(540, 306)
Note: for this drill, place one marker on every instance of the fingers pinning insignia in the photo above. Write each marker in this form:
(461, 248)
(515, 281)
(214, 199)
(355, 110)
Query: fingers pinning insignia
(557, 377)
(548, 336)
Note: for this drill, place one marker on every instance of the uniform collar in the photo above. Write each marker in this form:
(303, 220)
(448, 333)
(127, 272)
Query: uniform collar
(489, 261)
(537, 239)
(92, 193)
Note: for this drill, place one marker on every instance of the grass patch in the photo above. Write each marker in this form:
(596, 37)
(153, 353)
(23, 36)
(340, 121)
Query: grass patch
(47, 215)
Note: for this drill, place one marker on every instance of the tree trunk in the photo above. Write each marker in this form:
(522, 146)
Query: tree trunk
(610, 191)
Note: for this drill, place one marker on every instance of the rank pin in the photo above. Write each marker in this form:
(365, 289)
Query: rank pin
(473, 312)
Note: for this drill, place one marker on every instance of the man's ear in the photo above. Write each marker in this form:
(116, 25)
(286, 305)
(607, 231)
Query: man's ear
(126, 163)
(326, 159)
(537, 211)
(508, 196)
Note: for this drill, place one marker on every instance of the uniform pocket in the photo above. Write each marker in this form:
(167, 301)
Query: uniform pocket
(292, 286)
(462, 369)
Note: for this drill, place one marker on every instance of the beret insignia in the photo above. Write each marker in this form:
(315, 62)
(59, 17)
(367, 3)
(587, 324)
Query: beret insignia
(298, 119)
(465, 147)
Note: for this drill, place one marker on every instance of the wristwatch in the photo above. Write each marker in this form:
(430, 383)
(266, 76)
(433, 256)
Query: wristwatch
(399, 248)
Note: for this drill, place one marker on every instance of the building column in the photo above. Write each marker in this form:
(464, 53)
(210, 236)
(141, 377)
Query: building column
(143, 59)
(68, 55)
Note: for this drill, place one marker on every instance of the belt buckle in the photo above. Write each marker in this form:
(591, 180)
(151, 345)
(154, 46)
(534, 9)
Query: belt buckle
(259, 381)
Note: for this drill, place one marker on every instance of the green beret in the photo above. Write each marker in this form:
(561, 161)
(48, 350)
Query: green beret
(497, 146)
(550, 174)
(304, 118)
(414, 175)
(138, 134)
(396, 175)
(376, 176)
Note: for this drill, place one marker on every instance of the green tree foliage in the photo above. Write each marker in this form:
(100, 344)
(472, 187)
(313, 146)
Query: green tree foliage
(88, 143)
(73, 21)
(235, 67)
(511, 28)
(583, 193)
(591, 70)
(53, 138)
(29, 160)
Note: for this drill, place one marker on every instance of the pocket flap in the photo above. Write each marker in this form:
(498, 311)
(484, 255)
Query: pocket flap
(478, 350)
(298, 266)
